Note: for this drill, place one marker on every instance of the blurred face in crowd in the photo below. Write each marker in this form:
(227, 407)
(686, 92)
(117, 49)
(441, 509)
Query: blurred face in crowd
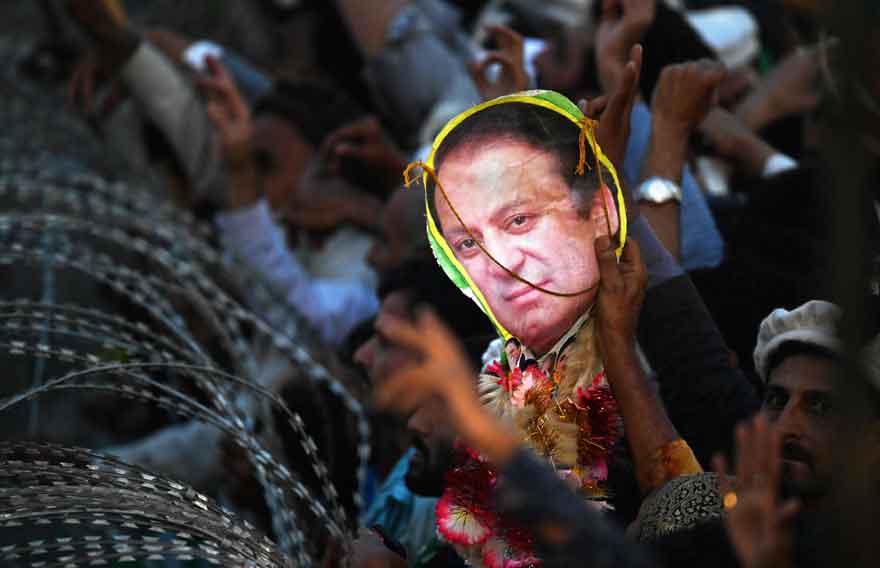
(799, 403)
(402, 230)
(432, 437)
(514, 200)
(379, 356)
(281, 156)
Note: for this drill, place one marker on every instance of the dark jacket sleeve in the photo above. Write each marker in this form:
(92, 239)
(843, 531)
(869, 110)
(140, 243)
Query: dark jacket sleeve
(567, 531)
(704, 395)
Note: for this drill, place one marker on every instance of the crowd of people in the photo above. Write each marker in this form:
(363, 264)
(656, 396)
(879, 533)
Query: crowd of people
(581, 259)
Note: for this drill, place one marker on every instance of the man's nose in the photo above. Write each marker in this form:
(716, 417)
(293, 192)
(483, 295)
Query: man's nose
(791, 422)
(420, 422)
(376, 257)
(364, 354)
(508, 255)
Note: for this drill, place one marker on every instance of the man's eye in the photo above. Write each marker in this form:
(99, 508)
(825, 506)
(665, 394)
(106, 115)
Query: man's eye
(775, 401)
(467, 244)
(820, 406)
(519, 222)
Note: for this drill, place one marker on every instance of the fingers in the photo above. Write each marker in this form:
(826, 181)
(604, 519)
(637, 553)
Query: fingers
(761, 449)
(611, 9)
(404, 391)
(593, 108)
(635, 60)
(503, 59)
(620, 102)
(402, 332)
(609, 273)
(631, 263)
(507, 39)
(219, 83)
(357, 130)
(743, 453)
(511, 79)
(720, 467)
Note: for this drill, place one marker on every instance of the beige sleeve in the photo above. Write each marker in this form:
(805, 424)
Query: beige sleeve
(170, 100)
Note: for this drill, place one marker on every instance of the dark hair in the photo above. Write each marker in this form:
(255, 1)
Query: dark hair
(540, 128)
(792, 348)
(426, 284)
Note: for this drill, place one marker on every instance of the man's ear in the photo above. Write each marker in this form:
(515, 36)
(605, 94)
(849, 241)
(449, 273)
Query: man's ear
(604, 201)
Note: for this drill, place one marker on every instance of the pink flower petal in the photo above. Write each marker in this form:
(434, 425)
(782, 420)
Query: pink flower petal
(458, 525)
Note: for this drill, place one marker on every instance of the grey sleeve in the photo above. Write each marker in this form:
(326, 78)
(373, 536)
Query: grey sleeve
(174, 106)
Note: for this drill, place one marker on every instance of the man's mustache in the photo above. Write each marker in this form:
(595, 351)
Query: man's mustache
(419, 444)
(794, 451)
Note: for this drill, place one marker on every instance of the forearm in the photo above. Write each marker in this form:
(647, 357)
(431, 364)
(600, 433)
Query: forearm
(647, 426)
(173, 105)
(665, 218)
(666, 157)
(755, 110)
(480, 430)
(703, 394)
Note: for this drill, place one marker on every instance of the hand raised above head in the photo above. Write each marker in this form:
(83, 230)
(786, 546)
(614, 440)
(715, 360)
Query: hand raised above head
(442, 371)
(364, 139)
(227, 111)
(509, 55)
(759, 524)
(613, 110)
(621, 26)
(102, 19)
(686, 92)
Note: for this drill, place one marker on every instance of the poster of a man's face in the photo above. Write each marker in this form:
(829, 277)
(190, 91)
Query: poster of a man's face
(509, 187)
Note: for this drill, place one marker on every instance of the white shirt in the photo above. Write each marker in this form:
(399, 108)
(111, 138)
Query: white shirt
(333, 306)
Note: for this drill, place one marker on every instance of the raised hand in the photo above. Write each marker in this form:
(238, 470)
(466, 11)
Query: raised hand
(442, 370)
(613, 110)
(365, 140)
(792, 87)
(228, 112)
(622, 25)
(443, 374)
(104, 20)
(685, 94)
(759, 524)
(509, 55)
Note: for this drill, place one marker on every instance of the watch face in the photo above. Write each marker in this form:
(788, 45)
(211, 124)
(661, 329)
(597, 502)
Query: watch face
(657, 190)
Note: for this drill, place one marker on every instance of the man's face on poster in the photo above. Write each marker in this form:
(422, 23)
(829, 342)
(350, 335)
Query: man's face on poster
(514, 199)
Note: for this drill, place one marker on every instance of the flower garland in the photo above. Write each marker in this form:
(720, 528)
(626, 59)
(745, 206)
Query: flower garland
(466, 514)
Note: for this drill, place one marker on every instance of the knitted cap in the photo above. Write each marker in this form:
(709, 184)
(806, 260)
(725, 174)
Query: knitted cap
(814, 323)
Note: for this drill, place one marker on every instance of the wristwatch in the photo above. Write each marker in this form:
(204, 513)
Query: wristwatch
(659, 190)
